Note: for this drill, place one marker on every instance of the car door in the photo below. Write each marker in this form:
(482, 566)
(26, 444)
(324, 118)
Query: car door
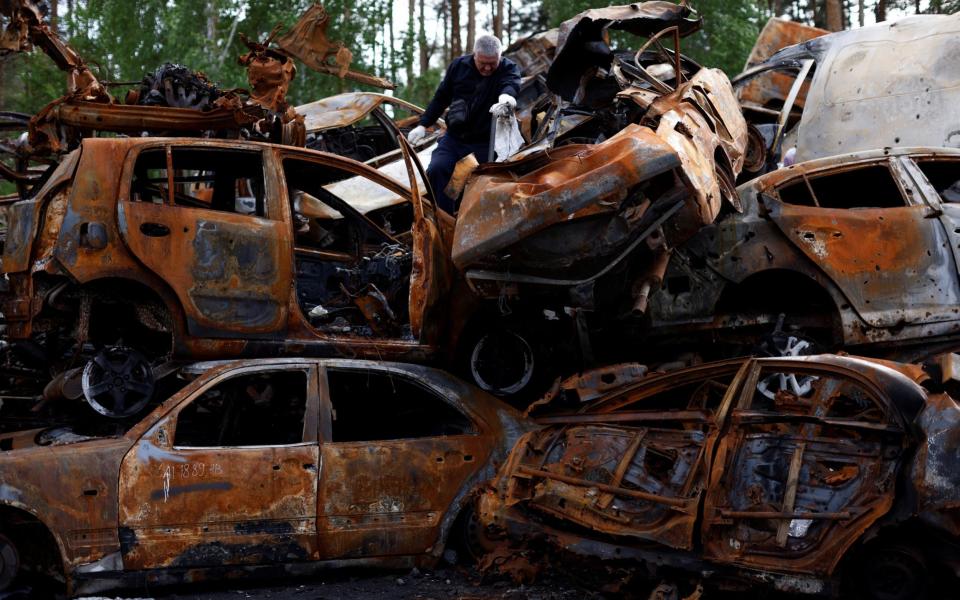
(357, 227)
(633, 465)
(868, 228)
(228, 476)
(398, 457)
(208, 221)
(807, 461)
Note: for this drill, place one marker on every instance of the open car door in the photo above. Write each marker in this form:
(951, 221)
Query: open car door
(432, 266)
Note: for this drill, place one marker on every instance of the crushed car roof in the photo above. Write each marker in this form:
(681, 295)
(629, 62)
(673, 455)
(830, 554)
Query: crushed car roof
(345, 109)
(892, 84)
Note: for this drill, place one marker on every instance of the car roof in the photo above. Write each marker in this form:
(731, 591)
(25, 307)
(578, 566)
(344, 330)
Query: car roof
(892, 379)
(345, 109)
(840, 160)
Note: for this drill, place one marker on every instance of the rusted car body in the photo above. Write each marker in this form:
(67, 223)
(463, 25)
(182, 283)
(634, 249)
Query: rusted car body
(269, 466)
(188, 248)
(574, 231)
(887, 85)
(856, 251)
(364, 126)
(791, 472)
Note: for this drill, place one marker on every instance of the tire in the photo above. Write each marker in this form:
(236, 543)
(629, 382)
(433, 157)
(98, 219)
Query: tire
(509, 361)
(9, 563)
(892, 572)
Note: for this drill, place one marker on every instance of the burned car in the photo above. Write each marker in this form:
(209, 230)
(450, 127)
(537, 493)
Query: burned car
(267, 466)
(573, 233)
(363, 126)
(821, 475)
(887, 85)
(857, 251)
(141, 250)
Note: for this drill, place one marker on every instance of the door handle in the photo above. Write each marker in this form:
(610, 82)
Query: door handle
(154, 229)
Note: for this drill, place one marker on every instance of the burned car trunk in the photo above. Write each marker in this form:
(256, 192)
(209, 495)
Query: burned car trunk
(789, 472)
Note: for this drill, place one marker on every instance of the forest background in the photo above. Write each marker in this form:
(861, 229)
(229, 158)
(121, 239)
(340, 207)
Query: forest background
(406, 41)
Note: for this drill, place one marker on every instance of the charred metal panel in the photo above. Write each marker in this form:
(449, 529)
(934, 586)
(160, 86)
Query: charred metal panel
(390, 497)
(213, 506)
(93, 200)
(500, 209)
(769, 90)
(892, 84)
(71, 491)
(809, 462)
(637, 481)
(882, 259)
(936, 468)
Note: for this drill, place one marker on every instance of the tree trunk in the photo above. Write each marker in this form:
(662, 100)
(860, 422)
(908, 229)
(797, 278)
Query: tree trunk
(54, 17)
(422, 39)
(3, 81)
(70, 22)
(508, 26)
(456, 49)
(860, 10)
(498, 21)
(409, 41)
(834, 15)
(393, 44)
(814, 13)
(471, 24)
(880, 10)
(446, 35)
(212, 17)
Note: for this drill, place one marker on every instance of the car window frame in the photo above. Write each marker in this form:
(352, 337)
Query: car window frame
(773, 190)
(309, 436)
(273, 209)
(480, 425)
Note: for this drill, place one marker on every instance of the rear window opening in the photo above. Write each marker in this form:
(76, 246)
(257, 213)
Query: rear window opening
(866, 187)
(371, 406)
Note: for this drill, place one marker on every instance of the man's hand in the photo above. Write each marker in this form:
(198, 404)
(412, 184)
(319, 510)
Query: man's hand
(504, 106)
(416, 134)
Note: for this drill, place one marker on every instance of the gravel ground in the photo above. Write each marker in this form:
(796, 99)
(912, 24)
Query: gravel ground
(441, 584)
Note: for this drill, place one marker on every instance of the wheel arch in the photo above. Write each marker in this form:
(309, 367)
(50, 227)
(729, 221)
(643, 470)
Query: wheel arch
(12, 509)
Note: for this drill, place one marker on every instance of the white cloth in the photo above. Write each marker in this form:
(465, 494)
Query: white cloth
(506, 137)
(504, 106)
(416, 134)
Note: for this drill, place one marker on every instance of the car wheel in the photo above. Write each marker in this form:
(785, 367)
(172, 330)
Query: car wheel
(503, 362)
(118, 382)
(9, 562)
(893, 573)
(473, 541)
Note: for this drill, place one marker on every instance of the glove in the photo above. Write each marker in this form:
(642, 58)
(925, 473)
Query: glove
(504, 106)
(416, 134)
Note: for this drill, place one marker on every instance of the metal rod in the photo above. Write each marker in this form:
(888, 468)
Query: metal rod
(675, 502)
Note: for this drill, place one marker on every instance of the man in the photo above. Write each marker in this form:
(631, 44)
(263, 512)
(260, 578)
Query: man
(474, 87)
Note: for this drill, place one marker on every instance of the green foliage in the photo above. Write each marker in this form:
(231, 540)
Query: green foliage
(729, 29)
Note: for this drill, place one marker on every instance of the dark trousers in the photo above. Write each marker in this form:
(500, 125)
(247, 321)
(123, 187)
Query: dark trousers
(449, 150)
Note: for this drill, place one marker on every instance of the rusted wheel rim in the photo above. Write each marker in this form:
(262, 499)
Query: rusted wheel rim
(502, 362)
(118, 382)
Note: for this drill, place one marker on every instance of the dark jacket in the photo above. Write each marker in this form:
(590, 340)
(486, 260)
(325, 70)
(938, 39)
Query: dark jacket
(463, 80)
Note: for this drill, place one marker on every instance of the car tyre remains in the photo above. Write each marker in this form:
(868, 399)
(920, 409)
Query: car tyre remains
(9, 562)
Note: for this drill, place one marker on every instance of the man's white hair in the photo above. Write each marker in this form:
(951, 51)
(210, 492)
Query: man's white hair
(487, 45)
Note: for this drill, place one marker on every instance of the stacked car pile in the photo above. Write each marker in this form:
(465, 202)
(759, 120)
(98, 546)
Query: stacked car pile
(617, 233)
